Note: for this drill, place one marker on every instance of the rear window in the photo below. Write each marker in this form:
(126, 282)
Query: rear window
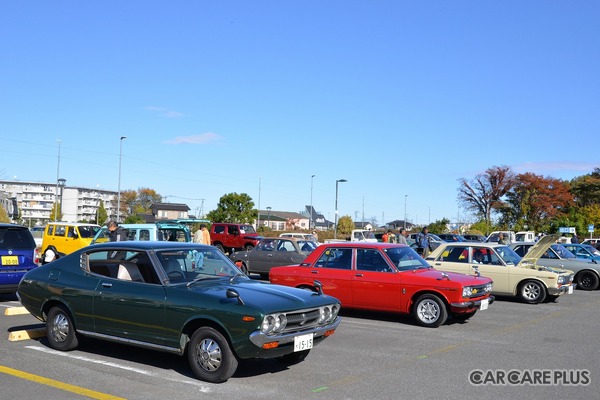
(16, 238)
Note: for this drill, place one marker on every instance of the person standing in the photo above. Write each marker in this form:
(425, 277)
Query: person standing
(424, 242)
(402, 236)
(501, 239)
(202, 236)
(117, 233)
(575, 239)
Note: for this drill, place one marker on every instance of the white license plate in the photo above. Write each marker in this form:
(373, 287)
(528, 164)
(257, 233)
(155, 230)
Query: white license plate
(303, 342)
(571, 289)
(484, 304)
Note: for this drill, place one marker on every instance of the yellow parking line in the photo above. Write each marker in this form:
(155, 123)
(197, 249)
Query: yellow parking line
(16, 311)
(26, 334)
(59, 385)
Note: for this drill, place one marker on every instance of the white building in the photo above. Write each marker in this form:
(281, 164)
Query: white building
(36, 199)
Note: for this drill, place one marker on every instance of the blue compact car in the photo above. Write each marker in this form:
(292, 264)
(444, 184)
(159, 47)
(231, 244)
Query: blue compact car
(17, 255)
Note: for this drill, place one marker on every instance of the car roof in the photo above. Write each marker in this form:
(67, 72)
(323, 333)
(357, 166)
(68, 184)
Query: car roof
(7, 225)
(71, 223)
(144, 245)
(363, 244)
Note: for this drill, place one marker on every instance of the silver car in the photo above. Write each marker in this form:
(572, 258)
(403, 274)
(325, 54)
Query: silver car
(587, 274)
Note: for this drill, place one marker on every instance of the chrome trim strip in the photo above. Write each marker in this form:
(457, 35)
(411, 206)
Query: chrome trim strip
(131, 342)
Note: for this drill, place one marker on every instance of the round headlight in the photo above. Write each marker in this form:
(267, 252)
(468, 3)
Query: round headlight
(325, 314)
(280, 322)
(466, 292)
(268, 324)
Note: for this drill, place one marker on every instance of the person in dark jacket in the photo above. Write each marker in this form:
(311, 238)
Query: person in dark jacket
(117, 233)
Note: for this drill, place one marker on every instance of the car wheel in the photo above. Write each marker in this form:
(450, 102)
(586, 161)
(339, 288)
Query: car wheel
(210, 356)
(220, 247)
(430, 311)
(60, 329)
(464, 316)
(248, 247)
(532, 292)
(294, 358)
(587, 280)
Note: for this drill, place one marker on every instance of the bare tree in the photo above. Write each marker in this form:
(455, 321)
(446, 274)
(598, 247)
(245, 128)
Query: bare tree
(484, 193)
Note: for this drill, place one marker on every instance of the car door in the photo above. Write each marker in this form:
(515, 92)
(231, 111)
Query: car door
(492, 266)
(130, 309)
(261, 258)
(375, 284)
(454, 258)
(334, 270)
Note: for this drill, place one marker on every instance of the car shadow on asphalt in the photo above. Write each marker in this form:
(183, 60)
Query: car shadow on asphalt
(167, 361)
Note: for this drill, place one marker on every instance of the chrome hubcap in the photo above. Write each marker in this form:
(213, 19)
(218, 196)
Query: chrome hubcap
(209, 355)
(428, 311)
(531, 291)
(60, 328)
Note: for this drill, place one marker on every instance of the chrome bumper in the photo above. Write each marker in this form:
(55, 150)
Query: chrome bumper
(471, 304)
(259, 338)
(561, 290)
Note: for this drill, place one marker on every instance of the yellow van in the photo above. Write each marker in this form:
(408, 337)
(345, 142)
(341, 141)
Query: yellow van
(62, 238)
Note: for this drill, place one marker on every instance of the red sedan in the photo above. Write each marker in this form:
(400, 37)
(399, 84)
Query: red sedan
(387, 277)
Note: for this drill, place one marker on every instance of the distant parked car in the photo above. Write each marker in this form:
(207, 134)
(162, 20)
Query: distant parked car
(229, 237)
(470, 237)
(587, 273)
(435, 240)
(300, 235)
(160, 299)
(18, 254)
(156, 232)
(270, 252)
(388, 277)
(527, 278)
(451, 237)
(584, 251)
(62, 238)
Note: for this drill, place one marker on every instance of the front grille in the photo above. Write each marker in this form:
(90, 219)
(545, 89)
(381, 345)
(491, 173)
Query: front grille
(478, 291)
(300, 320)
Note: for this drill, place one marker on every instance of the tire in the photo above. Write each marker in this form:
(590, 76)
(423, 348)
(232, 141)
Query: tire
(220, 247)
(294, 358)
(464, 316)
(248, 247)
(60, 330)
(430, 311)
(587, 280)
(532, 292)
(210, 356)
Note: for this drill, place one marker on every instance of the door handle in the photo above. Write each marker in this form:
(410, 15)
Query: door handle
(106, 284)
(314, 272)
(359, 275)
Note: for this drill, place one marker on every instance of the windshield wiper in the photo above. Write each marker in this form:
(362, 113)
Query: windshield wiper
(232, 279)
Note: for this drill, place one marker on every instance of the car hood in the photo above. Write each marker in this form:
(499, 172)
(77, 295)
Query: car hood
(264, 296)
(465, 280)
(538, 250)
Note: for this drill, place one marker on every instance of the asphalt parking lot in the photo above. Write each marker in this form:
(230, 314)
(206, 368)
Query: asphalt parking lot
(371, 356)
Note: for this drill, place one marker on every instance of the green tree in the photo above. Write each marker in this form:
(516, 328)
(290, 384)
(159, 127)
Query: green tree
(234, 207)
(138, 202)
(484, 193)
(3, 214)
(345, 225)
(439, 226)
(55, 213)
(586, 189)
(101, 214)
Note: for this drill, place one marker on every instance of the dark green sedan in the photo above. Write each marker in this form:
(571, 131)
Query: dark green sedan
(182, 298)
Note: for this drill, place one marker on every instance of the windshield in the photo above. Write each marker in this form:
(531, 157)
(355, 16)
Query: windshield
(562, 251)
(405, 258)
(591, 249)
(508, 255)
(196, 263)
(306, 245)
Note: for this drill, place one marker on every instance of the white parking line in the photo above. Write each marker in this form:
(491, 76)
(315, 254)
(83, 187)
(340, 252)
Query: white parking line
(201, 386)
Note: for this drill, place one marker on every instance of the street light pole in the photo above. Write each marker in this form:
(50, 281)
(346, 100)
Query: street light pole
(61, 184)
(405, 196)
(310, 221)
(268, 217)
(336, 206)
(119, 187)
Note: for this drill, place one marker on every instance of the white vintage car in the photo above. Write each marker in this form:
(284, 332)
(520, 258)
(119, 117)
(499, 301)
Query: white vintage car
(512, 275)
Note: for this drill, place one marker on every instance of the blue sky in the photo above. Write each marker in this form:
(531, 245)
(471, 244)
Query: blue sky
(400, 98)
